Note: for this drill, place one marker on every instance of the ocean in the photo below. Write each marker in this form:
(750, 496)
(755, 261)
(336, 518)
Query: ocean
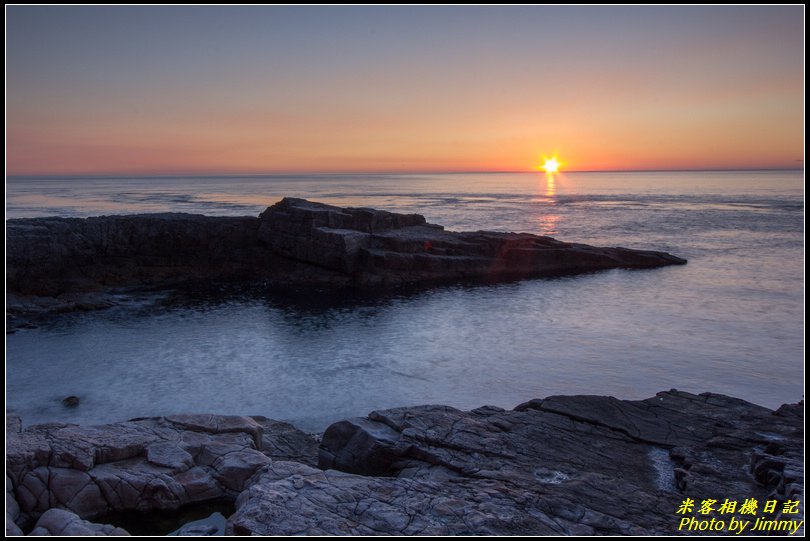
(730, 321)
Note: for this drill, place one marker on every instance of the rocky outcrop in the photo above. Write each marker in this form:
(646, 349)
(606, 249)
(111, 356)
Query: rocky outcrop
(292, 499)
(571, 465)
(54, 257)
(60, 522)
(578, 465)
(377, 247)
(71, 263)
(282, 441)
(141, 465)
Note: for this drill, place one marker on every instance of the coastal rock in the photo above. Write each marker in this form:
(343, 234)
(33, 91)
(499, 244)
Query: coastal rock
(12, 511)
(293, 499)
(148, 464)
(58, 257)
(63, 264)
(572, 465)
(568, 465)
(197, 530)
(282, 441)
(378, 247)
(12, 529)
(13, 424)
(61, 522)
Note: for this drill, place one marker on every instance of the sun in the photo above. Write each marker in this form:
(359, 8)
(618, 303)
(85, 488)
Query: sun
(551, 165)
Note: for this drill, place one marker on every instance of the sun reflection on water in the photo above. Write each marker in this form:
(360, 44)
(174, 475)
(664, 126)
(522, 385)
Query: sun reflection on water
(551, 187)
(548, 219)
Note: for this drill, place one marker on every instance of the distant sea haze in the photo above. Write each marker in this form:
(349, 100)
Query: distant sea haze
(730, 321)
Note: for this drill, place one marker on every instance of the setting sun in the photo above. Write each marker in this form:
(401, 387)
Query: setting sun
(551, 165)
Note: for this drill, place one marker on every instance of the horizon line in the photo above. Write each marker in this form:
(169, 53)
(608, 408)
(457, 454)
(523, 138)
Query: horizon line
(124, 175)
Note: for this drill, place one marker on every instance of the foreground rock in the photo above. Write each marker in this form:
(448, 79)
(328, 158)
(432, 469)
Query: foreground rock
(579, 465)
(60, 522)
(141, 465)
(71, 263)
(571, 465)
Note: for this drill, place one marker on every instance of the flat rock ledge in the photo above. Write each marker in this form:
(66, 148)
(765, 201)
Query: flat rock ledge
(55, 264)
(570, 465)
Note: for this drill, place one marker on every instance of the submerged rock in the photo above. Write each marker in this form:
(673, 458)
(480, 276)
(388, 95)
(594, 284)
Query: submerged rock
(70, 401)
(60, 264)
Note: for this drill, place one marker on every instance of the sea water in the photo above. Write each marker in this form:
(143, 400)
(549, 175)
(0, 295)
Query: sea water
(730, 321)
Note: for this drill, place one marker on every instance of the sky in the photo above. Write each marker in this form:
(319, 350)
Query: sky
(218, 90)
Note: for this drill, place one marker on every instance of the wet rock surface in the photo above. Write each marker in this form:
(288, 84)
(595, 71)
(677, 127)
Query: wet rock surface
(571, 465)
(63, 264)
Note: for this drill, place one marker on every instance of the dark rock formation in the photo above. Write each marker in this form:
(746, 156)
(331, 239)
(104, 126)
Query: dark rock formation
(282, 441)
(69, 263)
(70, 401)
(141, 465)
(64, 523)
(572, 465)
(53, 257)
(377, 247)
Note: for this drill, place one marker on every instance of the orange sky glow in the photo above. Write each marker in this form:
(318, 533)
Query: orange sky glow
(252, 90)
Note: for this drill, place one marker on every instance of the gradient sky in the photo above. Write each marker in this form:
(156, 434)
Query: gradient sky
(122, 90)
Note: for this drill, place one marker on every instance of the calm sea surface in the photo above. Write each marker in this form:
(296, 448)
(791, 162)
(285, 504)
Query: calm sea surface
(731, 321)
